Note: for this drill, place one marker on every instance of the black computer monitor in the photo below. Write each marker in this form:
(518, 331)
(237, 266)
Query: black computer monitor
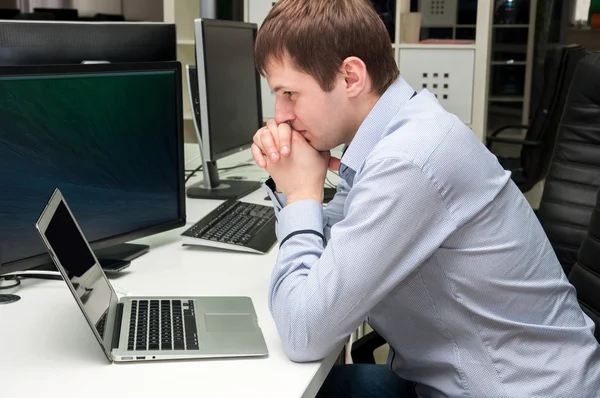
(58, 42)
(108, 17)
(9, 13)
(109, 136)
(60, 14)
(228, 99)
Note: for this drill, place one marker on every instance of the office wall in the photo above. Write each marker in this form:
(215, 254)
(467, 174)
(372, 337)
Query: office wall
(91, 7)
(143, 10)
(9, 4)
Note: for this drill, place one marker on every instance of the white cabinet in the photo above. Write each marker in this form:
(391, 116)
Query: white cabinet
(447, 73)
(258, 10)
(458, 73)
(438, 13)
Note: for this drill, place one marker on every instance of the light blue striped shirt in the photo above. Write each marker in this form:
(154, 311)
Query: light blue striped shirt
(430, 241)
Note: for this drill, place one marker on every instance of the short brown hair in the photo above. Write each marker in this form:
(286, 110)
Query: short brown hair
(317, 35)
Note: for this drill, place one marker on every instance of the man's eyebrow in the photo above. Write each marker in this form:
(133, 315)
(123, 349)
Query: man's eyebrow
(278, 88)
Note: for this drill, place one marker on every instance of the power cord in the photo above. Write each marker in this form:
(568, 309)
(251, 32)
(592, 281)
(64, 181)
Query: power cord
(199, 168)
(14, 281)
(8, 278)
(187, 178)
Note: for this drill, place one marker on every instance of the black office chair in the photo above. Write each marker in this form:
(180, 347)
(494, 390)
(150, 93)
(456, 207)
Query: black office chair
(585, 274)
(537, 146)
(574, 175)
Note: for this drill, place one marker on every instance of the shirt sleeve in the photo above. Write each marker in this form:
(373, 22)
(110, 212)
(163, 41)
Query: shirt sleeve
(395, 219)
(333, 212)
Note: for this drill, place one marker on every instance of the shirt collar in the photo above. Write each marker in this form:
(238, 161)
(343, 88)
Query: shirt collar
(372, 128)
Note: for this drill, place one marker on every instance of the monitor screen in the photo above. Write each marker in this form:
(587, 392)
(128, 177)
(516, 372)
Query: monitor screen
(232, 86)
(111, 141)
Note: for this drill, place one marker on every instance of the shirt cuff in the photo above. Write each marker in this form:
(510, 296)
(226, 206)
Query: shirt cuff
(303, 215)
(279, 199)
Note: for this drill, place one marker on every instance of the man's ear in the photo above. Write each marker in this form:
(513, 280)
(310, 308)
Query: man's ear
(354, 72)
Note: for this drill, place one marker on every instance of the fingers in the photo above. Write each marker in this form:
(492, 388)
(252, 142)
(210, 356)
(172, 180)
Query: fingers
(258, 156)
(258, 148)
(334, 164)
(269, 140)
(273, 141)
(284, 132)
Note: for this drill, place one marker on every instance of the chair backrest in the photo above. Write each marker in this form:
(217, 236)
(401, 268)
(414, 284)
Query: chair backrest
(574, 175)
(553, 67)
(558, 72)
(585, 275)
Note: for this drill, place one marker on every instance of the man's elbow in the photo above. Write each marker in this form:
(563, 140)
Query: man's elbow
(306, 351)
(305, 354)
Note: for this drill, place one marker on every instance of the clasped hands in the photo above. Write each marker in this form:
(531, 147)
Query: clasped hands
(298, 169)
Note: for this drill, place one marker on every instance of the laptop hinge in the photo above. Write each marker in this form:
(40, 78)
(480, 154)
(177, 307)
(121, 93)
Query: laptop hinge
(117, 328)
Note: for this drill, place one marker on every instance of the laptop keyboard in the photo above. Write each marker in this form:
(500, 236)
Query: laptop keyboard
(162, 325)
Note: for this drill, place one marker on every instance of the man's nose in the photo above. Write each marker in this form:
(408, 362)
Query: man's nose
(283, 112)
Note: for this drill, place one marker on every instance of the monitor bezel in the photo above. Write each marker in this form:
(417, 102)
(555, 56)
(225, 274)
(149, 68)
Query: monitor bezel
(61, 31)
(66, 69)
(200, 24)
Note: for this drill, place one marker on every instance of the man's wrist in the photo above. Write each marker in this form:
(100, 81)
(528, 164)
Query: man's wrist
(308, 196)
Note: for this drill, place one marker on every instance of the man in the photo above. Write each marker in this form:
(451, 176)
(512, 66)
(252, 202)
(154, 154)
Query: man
(427, 238)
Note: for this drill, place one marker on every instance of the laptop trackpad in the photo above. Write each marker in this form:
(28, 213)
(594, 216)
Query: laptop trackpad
(228, 322)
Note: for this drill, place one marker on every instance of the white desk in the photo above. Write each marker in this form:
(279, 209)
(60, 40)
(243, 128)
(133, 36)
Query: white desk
(47, 348)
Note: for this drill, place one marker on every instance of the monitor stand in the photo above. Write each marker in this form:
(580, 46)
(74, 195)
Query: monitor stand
(9, 298)
(8, 283)
(213, 188)
(118, 257)
(113, 258)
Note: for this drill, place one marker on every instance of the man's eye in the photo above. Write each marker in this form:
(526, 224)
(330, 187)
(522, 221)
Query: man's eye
(288, 93)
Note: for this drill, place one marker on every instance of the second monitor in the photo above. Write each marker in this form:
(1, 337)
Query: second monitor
(226, 101)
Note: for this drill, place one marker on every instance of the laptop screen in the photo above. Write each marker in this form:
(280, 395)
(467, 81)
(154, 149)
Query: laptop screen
(85, 275)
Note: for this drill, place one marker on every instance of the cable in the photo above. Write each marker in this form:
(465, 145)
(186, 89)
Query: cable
(37, 274)
(236, 167)
(17, 276)
(7, 278)
(197, 169)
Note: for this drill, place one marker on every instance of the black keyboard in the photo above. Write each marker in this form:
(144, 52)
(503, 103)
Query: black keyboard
(162, 325)
(235, 225)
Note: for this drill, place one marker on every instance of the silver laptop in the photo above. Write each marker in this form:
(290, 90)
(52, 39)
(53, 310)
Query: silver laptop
(145, 328)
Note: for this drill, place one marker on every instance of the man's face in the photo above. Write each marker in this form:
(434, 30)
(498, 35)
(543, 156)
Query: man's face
(321, 117)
